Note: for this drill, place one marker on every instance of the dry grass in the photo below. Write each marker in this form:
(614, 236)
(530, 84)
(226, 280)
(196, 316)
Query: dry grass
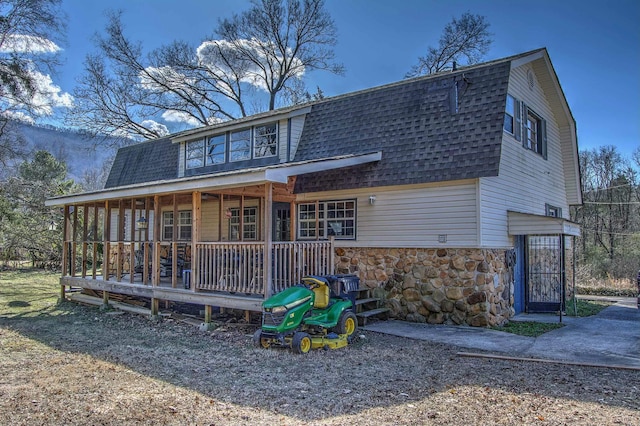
(71, 364)
(609, 286)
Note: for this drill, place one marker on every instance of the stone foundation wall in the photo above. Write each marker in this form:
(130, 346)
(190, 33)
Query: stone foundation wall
(438, 286)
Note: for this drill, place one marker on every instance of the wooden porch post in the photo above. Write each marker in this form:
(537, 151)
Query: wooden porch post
(157, 223)
(268, 240)
(74, 241)
(196, 218)
(106, 236)
(120, 256)
(94, 246)
(132, 239)
(174, 246)
(85, 224)
(65, 250)
(145, 244)
(65, 239)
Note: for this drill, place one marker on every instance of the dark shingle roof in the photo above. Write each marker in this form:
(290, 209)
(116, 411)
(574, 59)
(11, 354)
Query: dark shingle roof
(415, 125)
(413, 122)
(144, 162)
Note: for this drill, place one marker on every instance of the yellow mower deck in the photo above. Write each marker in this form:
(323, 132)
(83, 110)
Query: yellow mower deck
(318, 342)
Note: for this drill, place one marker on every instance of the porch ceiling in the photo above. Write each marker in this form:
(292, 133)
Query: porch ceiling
(531, 224)
(233, 179)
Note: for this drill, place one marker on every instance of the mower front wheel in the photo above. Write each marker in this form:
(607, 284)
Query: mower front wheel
(259, 341)
(301, 342)
(347, 324)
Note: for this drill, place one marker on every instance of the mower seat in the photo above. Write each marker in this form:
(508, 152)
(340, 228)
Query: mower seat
(321, 289)
(322, 296)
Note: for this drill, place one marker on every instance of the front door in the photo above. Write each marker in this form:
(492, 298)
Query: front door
(281, 222)
(545, 273)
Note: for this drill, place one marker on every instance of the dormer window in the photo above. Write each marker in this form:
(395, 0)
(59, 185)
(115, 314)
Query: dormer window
(265, 141)
(216, 149)
(241, 145)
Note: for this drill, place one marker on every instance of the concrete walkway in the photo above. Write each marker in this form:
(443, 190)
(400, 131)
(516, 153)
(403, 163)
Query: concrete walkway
(611, 338)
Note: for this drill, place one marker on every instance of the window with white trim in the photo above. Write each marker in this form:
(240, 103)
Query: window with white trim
(531, 130)
(510, 115)
(240, 145)
(249, 224)
(331, 218)
(216, 149)
(194, 153)
(265, 141)
(183, 226)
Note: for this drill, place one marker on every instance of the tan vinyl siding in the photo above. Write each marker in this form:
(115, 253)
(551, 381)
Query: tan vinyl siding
(526, 181)
(411, 216)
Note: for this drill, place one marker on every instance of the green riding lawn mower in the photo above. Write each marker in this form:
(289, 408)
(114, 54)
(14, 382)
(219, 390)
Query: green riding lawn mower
(319, 313)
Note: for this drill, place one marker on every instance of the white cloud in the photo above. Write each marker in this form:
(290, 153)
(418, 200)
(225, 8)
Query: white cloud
(150, 78)
(18, 116)
(48, 95)
(173, 116)
(209, 56)
(156, 127)
(27, 44)
(41, 100)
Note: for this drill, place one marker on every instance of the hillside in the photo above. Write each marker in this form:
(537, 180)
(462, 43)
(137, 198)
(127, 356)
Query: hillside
(81, 152)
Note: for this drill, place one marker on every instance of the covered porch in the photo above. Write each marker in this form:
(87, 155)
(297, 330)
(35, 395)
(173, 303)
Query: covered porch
(226, 247)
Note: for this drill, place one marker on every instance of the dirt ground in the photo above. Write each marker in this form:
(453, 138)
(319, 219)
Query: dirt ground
(70, 364)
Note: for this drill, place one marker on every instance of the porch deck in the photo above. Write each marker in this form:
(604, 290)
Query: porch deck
(237, 275)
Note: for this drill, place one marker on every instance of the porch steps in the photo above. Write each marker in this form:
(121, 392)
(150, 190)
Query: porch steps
(369, 307)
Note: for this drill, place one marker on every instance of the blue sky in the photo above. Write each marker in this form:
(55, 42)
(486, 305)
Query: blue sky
(594, 46)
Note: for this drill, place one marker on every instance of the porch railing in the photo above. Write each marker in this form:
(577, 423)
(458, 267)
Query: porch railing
(239, 267)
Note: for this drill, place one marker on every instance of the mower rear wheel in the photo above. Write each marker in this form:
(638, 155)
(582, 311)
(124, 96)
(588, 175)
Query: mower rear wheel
(347, 324)
(301, 342)
(259, 341)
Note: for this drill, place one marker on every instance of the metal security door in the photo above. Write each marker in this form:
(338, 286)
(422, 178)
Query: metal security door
(545, 273)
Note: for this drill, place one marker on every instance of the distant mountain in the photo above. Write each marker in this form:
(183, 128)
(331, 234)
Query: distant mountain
(81, 152)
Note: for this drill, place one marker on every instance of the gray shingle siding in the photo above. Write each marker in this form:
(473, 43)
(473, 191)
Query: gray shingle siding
(144, 162)
(415, 125)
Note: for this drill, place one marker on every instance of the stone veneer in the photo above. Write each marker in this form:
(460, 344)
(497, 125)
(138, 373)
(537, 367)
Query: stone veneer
(438, 286)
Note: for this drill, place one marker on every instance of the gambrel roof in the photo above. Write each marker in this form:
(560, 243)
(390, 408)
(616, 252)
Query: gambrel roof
(442, 127)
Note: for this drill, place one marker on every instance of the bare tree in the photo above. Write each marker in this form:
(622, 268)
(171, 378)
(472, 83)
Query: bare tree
(261, 53)
(610, 213)
(466, 39)
(30, 31)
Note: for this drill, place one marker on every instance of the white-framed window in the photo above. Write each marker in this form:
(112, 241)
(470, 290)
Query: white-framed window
(216, 150)
(533, 133)
(265, 140)
(531, 129)
(510, 115)
(183, 225)
(195, 154)
(240, 145)
(249, 224)
(245, 144)
(331, 218)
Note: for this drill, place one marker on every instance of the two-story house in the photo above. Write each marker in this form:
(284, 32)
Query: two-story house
(448, 195)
